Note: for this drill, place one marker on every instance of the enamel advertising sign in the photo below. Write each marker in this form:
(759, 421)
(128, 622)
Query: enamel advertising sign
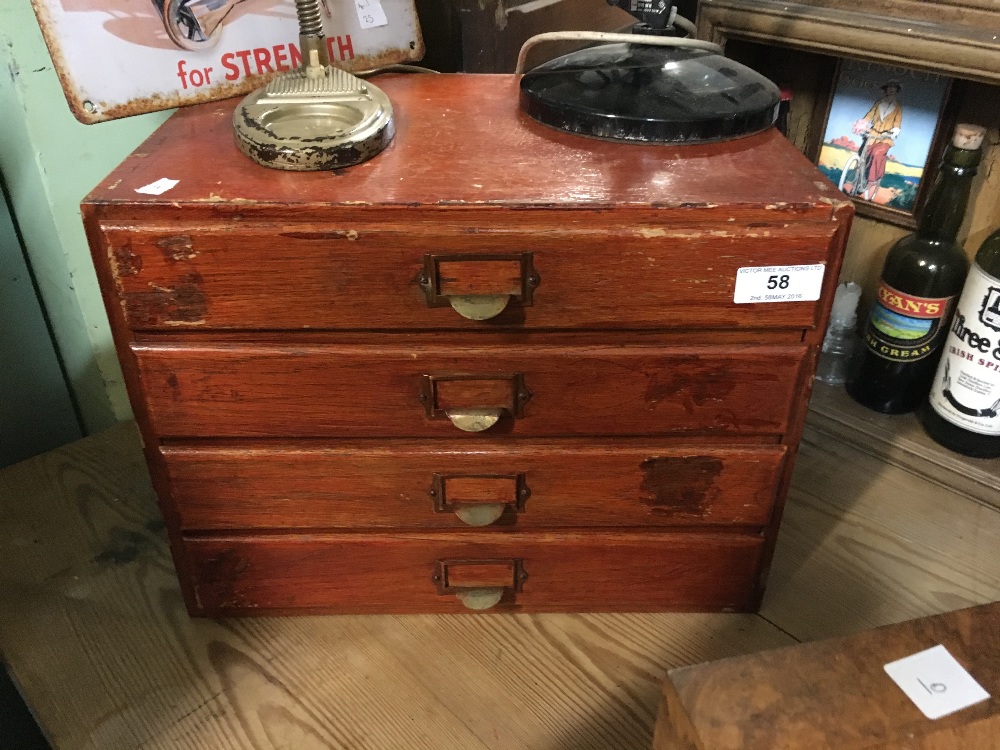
(117, 58)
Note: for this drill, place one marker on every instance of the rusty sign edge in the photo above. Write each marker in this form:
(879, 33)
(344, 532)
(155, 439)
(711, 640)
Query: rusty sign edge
(158, 102)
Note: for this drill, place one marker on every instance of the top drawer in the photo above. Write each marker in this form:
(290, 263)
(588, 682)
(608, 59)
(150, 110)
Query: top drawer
(421, 277)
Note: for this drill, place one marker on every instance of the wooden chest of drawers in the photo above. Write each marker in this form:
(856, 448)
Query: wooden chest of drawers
(496, 367)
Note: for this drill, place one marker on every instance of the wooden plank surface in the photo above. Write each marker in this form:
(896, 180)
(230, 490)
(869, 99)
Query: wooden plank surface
(94, 631)
(865, 542)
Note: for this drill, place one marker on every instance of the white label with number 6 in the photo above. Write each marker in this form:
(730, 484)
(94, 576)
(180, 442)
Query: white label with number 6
(779, 283)
(936, 682)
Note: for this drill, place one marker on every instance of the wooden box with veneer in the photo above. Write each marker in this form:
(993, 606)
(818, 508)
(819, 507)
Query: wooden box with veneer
(837, 693)
(495, 367)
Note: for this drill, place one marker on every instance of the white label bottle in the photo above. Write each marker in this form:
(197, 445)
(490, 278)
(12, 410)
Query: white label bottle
(963, 409)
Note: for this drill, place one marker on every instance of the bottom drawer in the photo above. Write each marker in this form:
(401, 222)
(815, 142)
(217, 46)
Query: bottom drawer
(456, 572)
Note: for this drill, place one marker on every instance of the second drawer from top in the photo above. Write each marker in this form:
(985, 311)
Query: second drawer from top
(412, 388)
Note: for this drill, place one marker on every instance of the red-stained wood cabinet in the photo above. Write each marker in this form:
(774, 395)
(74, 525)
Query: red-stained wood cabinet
(498, 367)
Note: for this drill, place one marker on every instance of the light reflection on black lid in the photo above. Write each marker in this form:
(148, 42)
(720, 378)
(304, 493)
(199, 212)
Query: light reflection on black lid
(632, 92)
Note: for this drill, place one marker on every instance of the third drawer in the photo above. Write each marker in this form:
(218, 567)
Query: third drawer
(411, 485)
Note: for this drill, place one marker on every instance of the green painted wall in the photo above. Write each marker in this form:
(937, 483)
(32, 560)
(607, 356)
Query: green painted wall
(49, 162)
(36, 413)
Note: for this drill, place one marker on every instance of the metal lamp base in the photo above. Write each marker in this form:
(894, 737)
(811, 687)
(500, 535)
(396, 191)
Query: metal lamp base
(315, 118)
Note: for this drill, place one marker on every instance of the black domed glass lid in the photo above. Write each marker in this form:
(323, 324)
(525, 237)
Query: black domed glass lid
(633, 92)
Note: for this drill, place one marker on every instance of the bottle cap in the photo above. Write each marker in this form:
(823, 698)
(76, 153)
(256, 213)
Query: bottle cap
(968, 136)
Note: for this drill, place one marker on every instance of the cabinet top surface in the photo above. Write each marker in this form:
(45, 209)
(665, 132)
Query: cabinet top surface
(462, 141)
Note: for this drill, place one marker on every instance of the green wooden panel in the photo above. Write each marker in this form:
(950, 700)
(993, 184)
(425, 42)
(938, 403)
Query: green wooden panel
(36, 413)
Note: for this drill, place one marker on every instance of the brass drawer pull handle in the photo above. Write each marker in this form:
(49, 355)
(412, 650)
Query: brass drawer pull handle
(480, 515)
(478, 287)
(482, 307)
(479, 584)
(479, 499)
(474, 403)
(474, 420)
(480, 599)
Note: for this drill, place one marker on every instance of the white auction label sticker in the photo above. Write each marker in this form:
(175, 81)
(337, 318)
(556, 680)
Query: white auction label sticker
(779, 283)
(936, 682)
(159, 187)
(370, 14)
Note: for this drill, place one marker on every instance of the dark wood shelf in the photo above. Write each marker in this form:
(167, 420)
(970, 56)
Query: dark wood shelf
(953, 37)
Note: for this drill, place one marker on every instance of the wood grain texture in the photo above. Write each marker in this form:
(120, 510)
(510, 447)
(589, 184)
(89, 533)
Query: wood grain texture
(463, 574)
(461, 141)
(448, 393)
(93, 627)
(876, 544)
(374, 391)
(566, 572)
(388, 484)
(351, 275)
(470, 275)
(835, 693)
(941, 37)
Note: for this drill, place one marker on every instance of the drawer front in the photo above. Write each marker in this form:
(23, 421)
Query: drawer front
(404, 485)
(401, 390)
(330, 277)
(459, 571)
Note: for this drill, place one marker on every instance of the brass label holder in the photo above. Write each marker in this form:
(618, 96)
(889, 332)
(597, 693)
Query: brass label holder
(479, 287)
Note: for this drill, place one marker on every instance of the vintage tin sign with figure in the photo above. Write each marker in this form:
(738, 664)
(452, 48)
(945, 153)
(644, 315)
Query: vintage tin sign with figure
(123, 57)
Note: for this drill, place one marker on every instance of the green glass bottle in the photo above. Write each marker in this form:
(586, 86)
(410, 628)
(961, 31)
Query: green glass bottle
(921, 279)
(961, 412)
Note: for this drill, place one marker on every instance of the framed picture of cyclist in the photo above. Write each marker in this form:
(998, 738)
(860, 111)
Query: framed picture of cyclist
(881, 137)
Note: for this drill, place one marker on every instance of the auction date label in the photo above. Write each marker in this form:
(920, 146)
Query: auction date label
(779, 283)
